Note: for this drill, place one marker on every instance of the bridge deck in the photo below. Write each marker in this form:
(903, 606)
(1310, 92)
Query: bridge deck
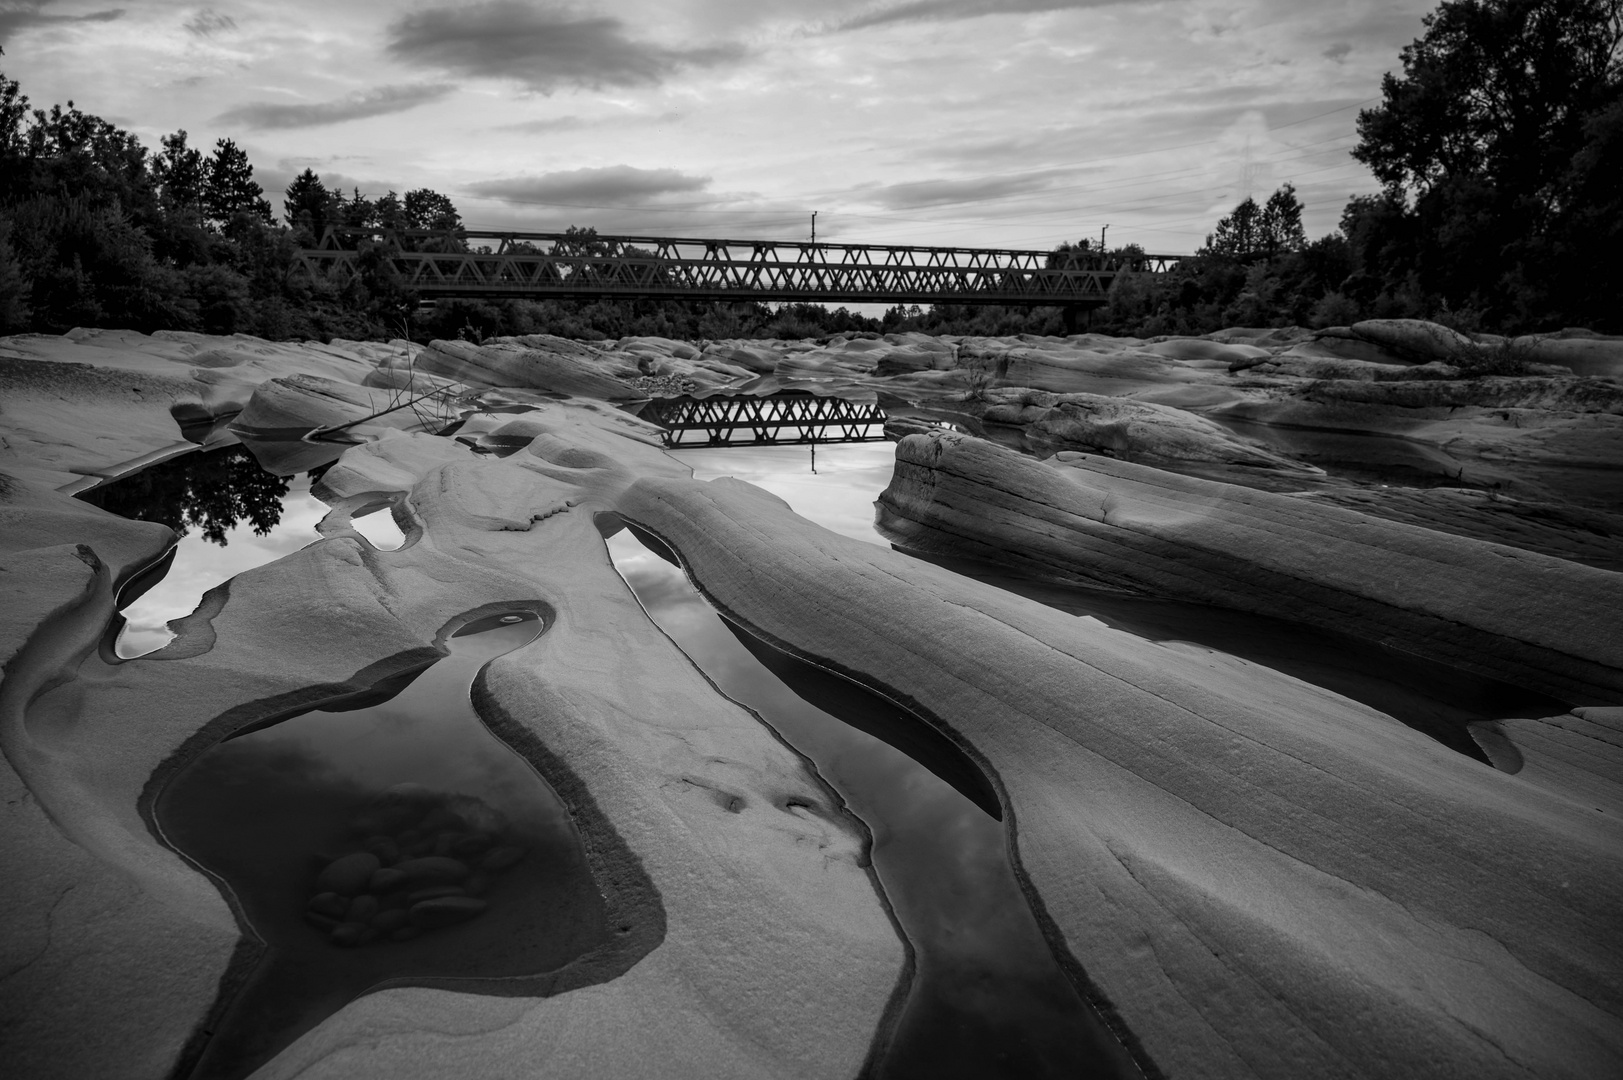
(561, 266)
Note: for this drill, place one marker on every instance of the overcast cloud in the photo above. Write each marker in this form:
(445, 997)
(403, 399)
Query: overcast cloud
(16, 15)
(1006, 123)
(542, 46)
(614, 185)
(267, 115)
(942, 10)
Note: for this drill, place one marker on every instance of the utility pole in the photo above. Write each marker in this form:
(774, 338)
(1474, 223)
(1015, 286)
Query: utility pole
(814, 226)
(1102, 239)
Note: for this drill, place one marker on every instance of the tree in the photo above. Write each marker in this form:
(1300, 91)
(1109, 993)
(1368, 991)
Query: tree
(180, 173)
(1497, 89)
(1486, 131)
(14, 286)
(1068, 255)
(229, 189)
(1279, 227)
(425, 209)
(1582, 279)
(1253, 230)
(1236, 235)
(14, 168)
(389, 211)
(357, 211)
(307, 204)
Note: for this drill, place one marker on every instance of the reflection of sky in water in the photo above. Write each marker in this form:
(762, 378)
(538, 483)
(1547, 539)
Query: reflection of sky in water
(989, 999)
(839, 497)
(428, 734)
(380, 529)
(200, 565)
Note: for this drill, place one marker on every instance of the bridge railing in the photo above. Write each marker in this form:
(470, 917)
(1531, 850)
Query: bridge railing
(563, 265)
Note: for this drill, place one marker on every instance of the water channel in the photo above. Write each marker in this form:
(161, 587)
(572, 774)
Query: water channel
(988, 999)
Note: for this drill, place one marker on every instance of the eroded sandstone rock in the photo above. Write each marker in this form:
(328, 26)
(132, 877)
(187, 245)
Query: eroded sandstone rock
(537, 362)
(1262, 878)
(1221, 856)
(1536, 621)
(1123, 428)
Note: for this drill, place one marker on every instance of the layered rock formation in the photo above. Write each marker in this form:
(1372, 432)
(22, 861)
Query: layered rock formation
(1264, 879)
(1529, 619)
(1252, 876)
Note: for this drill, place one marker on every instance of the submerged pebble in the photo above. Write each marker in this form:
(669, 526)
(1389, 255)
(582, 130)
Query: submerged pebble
(433, 868)
(434, 893)
(347, 934)
(425, 858)
(329, 904)
(386, 879)
(391, 919)
(446, 911)
(348, 874)
(502, 858)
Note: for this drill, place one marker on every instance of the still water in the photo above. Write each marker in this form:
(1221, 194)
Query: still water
(838, 495)
(231, 515)
(988, 999)
(398, 841)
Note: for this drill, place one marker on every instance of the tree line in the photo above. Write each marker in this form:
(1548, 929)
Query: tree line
(98, 230)
(1499, 150)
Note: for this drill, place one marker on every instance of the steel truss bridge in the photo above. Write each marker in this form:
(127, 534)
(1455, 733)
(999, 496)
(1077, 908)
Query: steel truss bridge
(760, 421)
(559, 266)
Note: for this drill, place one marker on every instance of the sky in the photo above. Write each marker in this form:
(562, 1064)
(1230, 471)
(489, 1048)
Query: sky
(996, 123)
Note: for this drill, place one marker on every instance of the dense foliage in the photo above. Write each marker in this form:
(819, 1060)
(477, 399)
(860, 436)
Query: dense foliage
(96, 230)
(1500, 152)
(1499, 149)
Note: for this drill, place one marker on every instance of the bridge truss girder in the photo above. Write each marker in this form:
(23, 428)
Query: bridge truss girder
(718, 420)
(559, 266)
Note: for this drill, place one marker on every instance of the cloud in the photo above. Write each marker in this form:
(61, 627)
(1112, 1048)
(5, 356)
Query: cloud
(551, 124)
(208, 22)
(950, 10)
(17, 15)
(265, 115)
(611, 186)
(544, 48)
(924, 193)
(1337, 52)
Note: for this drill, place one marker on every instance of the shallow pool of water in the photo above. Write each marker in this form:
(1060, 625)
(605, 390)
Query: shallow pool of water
(379, 528)
(396, 842)
(233, 516)
(834, 485)
(988, 999)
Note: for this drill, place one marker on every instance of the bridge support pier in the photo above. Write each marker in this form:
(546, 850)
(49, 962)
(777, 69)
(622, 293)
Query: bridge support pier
(1069, 314)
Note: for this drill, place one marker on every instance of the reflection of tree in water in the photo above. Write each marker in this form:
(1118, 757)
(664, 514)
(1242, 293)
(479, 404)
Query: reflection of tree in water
(211, 491)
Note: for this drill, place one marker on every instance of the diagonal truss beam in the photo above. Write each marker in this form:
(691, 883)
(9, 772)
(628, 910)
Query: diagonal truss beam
(561, 266)
(780, 418)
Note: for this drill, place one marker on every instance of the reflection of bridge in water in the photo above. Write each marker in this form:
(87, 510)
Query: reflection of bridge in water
(765, 421)
(560, 266)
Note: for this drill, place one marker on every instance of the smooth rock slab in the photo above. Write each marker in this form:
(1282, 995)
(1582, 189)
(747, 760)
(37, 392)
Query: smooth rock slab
(1264, 879)
(1529, 619)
